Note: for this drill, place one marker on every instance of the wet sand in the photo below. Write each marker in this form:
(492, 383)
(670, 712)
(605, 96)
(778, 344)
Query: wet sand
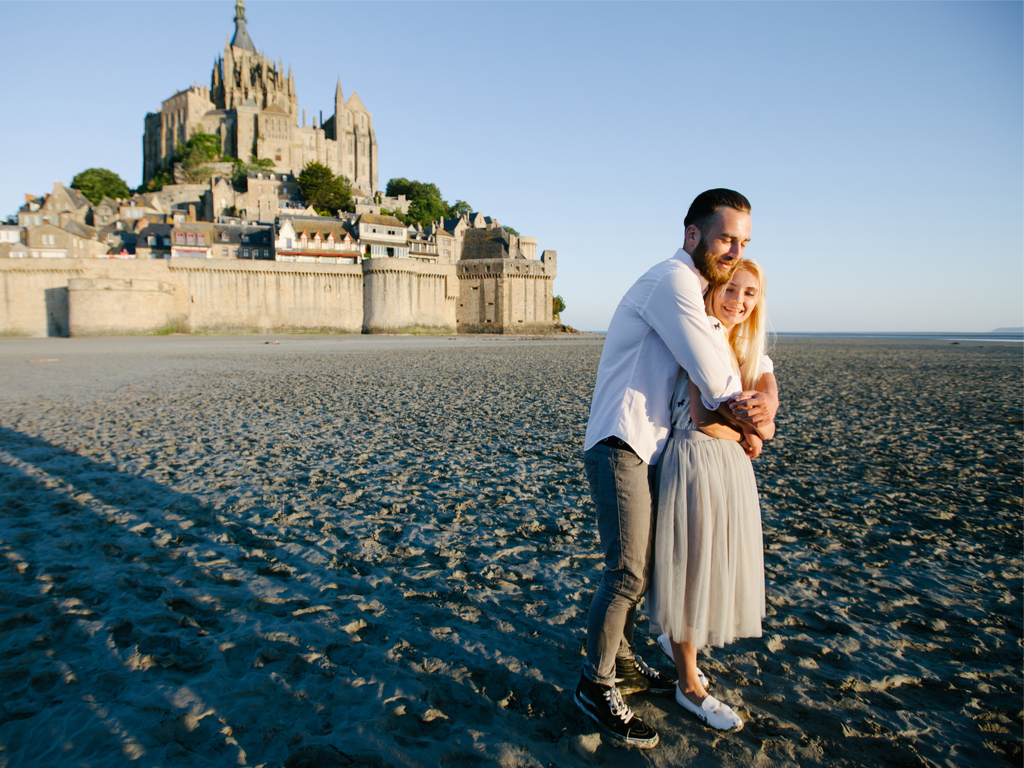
(377, 551)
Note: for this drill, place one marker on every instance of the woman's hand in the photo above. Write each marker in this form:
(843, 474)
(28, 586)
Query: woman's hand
(751, 444)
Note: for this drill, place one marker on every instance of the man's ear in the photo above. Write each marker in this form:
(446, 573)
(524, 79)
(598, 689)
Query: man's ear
(692, 236)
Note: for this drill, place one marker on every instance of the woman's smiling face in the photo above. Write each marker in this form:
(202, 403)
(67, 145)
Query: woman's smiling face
(739, 298)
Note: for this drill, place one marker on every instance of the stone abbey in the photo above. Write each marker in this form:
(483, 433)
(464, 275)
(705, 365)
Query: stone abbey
(252, 106)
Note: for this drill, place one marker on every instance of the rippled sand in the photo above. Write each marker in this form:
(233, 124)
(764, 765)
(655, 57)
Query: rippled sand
(380, 551)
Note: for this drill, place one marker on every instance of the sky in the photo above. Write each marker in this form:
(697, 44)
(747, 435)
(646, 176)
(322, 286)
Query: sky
(881, 144)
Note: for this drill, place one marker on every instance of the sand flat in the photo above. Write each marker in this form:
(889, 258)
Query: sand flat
(380, 551)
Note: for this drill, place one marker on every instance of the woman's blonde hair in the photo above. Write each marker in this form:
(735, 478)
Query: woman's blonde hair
(748, 340)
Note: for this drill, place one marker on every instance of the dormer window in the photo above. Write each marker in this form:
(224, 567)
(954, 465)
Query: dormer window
(223, 237)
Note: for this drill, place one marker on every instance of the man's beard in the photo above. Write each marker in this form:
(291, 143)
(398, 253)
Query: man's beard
(707, 265)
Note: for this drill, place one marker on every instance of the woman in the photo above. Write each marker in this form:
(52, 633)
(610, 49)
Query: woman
(708, 584)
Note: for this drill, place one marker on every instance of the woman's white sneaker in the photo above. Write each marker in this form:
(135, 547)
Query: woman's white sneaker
(712, 712)
(666, 647)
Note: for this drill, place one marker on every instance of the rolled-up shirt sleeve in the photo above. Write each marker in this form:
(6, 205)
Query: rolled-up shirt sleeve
(675, 310)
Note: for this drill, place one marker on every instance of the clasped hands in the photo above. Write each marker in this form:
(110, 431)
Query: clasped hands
(754, 410)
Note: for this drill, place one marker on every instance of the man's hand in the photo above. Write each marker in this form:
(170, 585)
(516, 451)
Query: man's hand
(751, 444)
(755, 408)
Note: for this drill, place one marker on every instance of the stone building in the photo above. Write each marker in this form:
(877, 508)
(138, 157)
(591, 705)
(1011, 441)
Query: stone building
(503, 286)
(192, 240)
(72, 241)
(62, 205)
(251, 104)
(317, 239)
(267, 194)
(243, 241)
(153, 240)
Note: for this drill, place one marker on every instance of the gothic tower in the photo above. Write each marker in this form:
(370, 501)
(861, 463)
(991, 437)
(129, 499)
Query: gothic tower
(252, 105)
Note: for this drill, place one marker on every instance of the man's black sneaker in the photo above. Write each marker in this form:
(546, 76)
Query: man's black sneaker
(634, 676)
(604, 705)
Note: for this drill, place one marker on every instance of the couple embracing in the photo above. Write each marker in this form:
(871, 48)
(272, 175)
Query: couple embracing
(684, 398)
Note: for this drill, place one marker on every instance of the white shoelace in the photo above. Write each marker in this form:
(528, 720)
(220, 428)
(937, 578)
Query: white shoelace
(644, 668)
(617, 705)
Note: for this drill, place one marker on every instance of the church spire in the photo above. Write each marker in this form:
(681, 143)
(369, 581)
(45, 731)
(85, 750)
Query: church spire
(241, 38)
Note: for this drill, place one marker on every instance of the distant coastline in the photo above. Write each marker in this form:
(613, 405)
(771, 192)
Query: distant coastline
(1001, 335)
(1008, 335)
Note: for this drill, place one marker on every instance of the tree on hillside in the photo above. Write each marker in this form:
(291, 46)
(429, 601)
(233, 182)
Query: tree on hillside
(510, 230)
(426, 204)
(160, 180)
(323, 190)
(241, 170)
(196, 154)
(458, 208)
(97, 183)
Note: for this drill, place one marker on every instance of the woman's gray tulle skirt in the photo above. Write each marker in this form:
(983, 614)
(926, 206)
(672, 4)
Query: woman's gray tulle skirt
(708, 582)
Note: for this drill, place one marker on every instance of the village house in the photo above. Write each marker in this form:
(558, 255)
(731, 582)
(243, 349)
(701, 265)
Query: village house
(320, 239)
(241, 241)
(153, 240)
(192, 240)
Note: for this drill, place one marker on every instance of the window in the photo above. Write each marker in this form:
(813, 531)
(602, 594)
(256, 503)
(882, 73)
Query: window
(362, 121)
(245, 253)
(266, 253)
(202, 238)
(151, 241)
(287, 242)
(224, 250)
(234, 252)
(167, 241)
(179, 237)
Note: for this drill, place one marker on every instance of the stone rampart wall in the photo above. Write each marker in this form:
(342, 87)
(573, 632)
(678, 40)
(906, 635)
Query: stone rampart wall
(80, 297)
(401, 295)
(267, 297)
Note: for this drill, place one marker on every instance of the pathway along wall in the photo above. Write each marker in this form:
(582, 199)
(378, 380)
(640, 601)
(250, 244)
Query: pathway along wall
(82, 297)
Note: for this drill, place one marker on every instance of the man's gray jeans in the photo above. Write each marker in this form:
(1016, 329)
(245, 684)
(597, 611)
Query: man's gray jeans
(621, 485)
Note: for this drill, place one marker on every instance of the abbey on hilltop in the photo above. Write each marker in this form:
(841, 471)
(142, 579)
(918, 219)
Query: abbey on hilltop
(252, 106)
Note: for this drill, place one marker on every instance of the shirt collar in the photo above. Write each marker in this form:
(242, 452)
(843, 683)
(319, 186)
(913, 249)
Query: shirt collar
(684, 257)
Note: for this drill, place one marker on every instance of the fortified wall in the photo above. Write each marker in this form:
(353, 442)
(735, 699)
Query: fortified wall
(93, 297)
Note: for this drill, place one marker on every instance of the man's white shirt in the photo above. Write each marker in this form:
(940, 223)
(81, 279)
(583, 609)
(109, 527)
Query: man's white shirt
(659, 326)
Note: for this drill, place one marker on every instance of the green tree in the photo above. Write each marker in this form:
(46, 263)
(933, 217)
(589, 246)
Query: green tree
(510, 230)
(557, 307)
(458, 208)
(323, 190)
(426, 204)
(97, 183)
(160, 180)
(241, 170)
(196, 154)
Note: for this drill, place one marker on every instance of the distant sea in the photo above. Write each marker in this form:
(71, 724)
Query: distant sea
(1011, 336)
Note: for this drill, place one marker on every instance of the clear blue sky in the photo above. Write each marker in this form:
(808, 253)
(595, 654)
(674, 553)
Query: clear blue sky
(881, 144)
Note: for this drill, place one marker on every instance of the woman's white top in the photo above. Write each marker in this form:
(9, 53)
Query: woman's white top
(681, 418)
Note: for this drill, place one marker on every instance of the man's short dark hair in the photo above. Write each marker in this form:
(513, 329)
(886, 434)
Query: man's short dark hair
(706, 205)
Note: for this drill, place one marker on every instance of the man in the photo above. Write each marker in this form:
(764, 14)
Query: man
(659, 326)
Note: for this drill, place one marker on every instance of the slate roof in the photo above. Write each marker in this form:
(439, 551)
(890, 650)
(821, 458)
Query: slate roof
(389, 221)
(262, 236)
(488, 244)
